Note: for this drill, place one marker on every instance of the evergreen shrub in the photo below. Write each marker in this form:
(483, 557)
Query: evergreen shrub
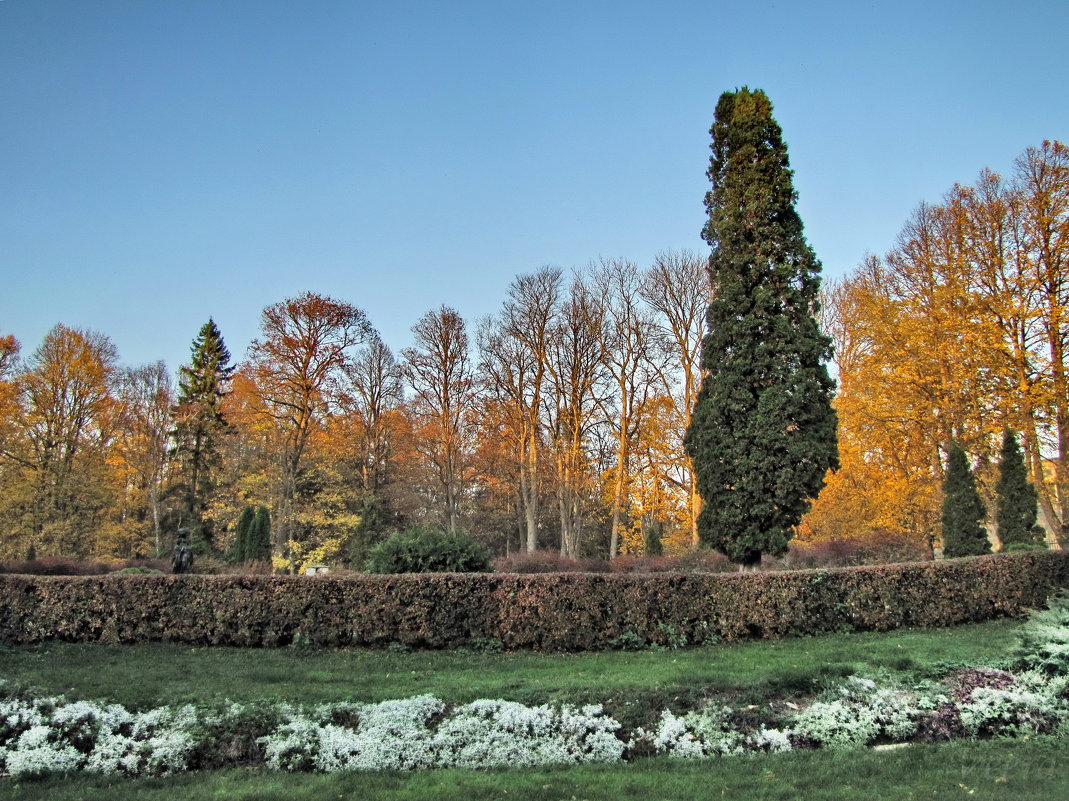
(1018, 547)
(963, 509)
(422, 549)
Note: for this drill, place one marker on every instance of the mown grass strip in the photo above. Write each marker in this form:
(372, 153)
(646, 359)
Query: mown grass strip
(140, 676)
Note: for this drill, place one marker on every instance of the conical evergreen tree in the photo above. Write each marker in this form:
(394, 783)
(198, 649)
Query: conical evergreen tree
(963, 510)
(199, 422)
(260, 536)
(654, 546)
(763, 433)
(369, 531)
(1015, 507)
(242, 531)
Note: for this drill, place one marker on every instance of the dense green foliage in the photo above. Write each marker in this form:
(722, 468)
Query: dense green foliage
(553, 612)
(241, 533)
(259, 543)
(1015, 510)
(252, 535)
(369, 531)
(763, 433)
(963, 509)
(1044, 639)
(421, 549)
(652, 534)
(199, 422)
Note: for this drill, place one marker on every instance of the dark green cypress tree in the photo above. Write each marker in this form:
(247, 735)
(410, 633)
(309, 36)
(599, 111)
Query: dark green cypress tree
(369, 531)
(199, 423)
(260, 536)
(1015, 507)
(242, 531)
(763, 433)
(963, 510)
(653, 544)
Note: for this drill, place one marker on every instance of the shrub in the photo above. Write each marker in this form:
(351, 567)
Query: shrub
(548, 562)
(1018, 547)
(881, 548)
(1044, 640)
(427, 550)
(553, 612)
(65, 566)
(859, 714)
(698, 560)
(1032, 704)
(138, 571)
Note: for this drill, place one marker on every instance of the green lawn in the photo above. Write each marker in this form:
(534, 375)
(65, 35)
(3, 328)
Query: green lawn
(149, 675)
(991, 770)
(635, 686)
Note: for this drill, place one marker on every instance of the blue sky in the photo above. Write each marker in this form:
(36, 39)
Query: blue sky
(164, 161)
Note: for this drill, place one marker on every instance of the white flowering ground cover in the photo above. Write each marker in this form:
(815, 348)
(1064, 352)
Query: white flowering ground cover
(48, 736)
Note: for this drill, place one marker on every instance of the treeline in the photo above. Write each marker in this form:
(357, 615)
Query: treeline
(957, 333)
(556, 423)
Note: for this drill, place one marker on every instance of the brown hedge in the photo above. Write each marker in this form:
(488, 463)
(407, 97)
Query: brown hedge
(558, 612)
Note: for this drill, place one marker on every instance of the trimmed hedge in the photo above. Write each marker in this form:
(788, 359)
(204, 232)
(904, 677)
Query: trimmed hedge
(557, 612)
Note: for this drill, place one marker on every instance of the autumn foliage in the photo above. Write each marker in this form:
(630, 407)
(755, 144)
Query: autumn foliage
(954, 335)
(503, 432)
(557, 423)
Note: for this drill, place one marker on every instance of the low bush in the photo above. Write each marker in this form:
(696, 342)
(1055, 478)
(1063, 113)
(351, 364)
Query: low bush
(139, 571)
(548, 562)
(884, 548)
(1044, 639)
(699, 560)
(1018, 547)
(65, 566)
(556, 612)
(428, 550)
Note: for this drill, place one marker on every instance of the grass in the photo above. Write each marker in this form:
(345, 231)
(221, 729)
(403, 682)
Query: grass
(149, 675)
(634, 685)
(990, 770)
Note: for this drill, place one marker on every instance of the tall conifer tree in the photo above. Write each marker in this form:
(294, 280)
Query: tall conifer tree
(199, 423)
(1015, 511)
(242, 542)
(763, 433)
(260, 536)
(963, 510)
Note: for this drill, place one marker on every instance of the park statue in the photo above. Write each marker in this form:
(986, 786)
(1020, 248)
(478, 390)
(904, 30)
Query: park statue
(182, 560)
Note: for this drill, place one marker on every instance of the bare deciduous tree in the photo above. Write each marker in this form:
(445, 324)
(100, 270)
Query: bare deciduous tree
(373, 389)
(514, 365)
(677, 288)
(439, 370)
(627, 345)
(576, 369)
